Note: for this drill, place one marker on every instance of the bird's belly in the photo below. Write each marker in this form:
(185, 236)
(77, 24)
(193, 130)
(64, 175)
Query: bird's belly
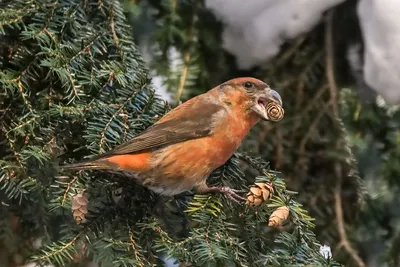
(201, 156)
(180, 167)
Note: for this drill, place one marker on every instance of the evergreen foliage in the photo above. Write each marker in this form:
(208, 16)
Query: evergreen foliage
(374, 129)
(303, 145)
(73, 85)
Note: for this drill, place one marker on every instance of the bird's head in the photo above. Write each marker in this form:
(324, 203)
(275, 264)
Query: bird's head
(257, 96)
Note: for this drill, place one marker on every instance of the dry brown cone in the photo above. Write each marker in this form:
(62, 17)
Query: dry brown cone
(278, 216)
(258, 193)
(80, 207)
(275, 112)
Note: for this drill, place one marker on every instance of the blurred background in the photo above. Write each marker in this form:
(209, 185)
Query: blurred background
(325, 58)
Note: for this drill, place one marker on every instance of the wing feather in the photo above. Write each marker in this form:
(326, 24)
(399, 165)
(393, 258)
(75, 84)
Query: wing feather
(192, 119)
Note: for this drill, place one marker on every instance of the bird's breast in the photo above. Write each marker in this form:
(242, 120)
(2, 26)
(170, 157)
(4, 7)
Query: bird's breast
(225, 141)
(181, 166)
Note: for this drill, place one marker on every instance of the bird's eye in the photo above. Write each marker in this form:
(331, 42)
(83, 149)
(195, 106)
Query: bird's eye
(248, 84)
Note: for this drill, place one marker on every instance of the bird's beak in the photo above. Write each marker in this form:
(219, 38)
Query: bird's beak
(269, 105)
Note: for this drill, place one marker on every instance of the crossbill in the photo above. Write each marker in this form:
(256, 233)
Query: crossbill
(180, 150)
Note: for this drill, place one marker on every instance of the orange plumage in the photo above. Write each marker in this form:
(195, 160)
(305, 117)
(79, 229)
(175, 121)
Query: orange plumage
(181, 150)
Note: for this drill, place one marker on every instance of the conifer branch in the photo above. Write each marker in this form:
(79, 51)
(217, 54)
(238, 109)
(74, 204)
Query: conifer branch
(111, 77)
(134, 250)
(51, 35)
(174, 4)
(87, 108)
(22, 92)
(67, 245)
(72, 83)
(35, 118)
(11, 146)
(344, 241)
(182, 79)
(86, 49)
(208, 246)
(333, 101)
(330, 53)
(186, 59)
(311, 130)
(21, 13)
(112, 25)
(113, 116)
(67, 190)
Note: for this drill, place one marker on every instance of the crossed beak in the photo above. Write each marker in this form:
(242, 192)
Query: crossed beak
(269, 105)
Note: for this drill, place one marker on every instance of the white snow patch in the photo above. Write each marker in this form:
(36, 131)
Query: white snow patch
(255, 30)
(380, 24)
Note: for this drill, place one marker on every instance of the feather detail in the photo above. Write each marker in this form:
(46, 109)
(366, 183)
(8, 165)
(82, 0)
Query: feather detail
(89, 165)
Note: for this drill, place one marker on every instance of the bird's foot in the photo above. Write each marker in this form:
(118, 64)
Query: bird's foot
(226, 190)
(231, 194)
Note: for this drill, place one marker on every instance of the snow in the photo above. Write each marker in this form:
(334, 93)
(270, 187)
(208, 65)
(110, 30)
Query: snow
(255, 31)
(380, 24)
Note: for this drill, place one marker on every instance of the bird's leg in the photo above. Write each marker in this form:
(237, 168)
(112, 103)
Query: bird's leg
(226, 190)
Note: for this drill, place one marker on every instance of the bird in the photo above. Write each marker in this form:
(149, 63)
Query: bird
(178, 152)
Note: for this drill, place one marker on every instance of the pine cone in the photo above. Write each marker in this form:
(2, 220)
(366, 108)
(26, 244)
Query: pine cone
(278, 216)
(259, 192)
(80, 207)
(275, 112)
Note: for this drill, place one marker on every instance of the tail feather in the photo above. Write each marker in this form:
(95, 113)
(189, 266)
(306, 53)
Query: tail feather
(87, 165)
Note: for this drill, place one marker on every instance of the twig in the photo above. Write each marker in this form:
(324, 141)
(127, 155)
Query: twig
(53, 8)
(23, 124)
(126, 126)
(291, 51)
(51, 35)
(209, 246)
(86, 49)
(88, 108)
(311, 129)
(118, 111)
(330, 74)
(182, 79)
(5, 111)
(207, 239)
(333, 89)
(132, 242)
(72, 82)
(11, 145)
(186, 60)
(115, 37)
(302, 78)
(111, 77)
(174, 4)
(67, 190)
(344, 241)
(298, 118)
(21, 90)
(61, 249)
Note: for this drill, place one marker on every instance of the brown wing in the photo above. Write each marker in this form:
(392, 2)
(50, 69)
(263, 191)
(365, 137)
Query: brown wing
(192, 119)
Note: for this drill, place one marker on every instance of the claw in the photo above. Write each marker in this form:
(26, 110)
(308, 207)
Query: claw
(231, 194)
(239, 191)
(226, 190)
